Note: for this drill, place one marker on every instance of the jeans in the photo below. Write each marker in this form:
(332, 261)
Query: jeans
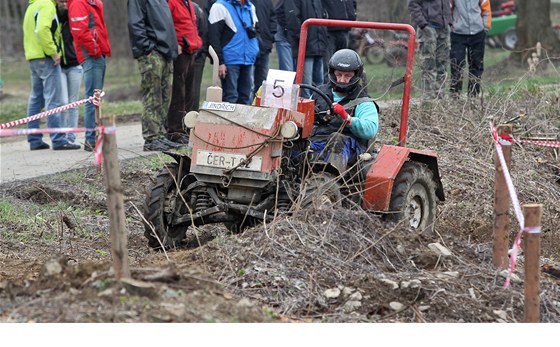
(198, 69)
(284, 51)
(94, 76)
(182, 96)
(260, 70)
(71, 82)
(45, 92)
(471, 48)
(237, 84)
(312, 73)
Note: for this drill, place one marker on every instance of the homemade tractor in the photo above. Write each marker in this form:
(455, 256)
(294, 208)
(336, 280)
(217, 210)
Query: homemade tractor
(248, 163)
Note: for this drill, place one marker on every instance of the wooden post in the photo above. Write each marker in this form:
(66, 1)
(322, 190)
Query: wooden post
(115, 200)
(532, 251)
(501, 206)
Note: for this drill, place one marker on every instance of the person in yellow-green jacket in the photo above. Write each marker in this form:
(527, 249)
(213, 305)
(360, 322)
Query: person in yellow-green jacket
(42, 43)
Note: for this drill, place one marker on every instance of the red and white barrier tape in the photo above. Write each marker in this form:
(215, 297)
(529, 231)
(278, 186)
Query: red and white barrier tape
(98, 153)
(500, 140)
(545, 143)
(32, 131)
(46, 113)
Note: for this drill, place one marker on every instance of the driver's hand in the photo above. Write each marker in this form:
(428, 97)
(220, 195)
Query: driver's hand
(339, 110)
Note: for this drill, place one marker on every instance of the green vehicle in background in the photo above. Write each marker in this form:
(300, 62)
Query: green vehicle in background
(502, 33)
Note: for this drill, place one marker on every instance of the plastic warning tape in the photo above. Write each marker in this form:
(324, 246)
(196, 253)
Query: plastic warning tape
(544, 143)
(500, 141)
(46, 113)
(33, 131)
(97, 152)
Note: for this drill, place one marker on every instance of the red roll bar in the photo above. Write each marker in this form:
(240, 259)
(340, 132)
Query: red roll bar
(367, 25)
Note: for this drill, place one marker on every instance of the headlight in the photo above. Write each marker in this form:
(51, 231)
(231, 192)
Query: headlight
(190, 119)
(289, 130)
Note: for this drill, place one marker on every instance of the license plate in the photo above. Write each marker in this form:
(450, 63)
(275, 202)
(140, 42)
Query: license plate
(227, 160)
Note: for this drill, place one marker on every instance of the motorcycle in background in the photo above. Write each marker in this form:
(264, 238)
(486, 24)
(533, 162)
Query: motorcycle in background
(396, 50)
(378, 50)
(365, 45)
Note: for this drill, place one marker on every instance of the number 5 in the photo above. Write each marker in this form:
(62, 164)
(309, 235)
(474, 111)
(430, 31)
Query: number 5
(275, 87)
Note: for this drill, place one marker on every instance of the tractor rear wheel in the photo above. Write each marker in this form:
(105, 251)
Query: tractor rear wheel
(159, 207)
(413, 199)
(321, 190)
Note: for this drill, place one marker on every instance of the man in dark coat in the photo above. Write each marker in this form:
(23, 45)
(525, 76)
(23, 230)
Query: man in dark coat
(338, 36)
(298, 11)
(154, 45)
(267, 29)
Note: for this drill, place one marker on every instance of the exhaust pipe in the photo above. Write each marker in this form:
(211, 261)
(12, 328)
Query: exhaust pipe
(214, 92)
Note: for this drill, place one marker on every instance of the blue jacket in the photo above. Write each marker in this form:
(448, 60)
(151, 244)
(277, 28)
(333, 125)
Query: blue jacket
(228, 21)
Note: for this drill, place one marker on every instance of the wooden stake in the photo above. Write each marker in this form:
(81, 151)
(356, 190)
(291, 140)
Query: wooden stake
(532, 251)
(501, 206)
(115, 200)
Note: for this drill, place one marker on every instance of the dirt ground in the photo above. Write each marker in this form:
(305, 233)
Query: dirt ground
(313, 266)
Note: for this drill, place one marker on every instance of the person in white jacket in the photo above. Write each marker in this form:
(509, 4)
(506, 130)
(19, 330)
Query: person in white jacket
(471, 19)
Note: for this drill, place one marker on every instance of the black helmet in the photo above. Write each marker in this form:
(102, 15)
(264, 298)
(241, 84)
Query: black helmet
(345, 60)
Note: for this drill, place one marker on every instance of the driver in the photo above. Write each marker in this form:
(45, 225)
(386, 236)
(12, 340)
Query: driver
(344, 137)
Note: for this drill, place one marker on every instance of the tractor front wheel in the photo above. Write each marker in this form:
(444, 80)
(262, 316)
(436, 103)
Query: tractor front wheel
(413, 199)
(160, 206)
(321, 190)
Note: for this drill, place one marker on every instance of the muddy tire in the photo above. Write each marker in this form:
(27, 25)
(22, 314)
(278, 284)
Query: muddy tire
(159, 207)
(375, 54)
(396, 56)
(413, 199)
(321, 190)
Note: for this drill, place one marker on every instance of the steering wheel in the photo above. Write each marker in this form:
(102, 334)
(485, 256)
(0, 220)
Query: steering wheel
(324, 116)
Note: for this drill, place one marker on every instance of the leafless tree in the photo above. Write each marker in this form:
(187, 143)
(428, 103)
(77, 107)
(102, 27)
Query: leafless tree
(534, 25)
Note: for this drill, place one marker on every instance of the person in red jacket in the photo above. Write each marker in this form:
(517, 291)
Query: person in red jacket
(182, 94)
(91, 41)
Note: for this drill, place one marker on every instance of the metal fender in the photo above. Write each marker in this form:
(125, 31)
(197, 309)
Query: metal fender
(382, 173)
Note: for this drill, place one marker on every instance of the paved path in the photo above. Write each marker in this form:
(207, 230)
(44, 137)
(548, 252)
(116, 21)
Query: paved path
(17, 162)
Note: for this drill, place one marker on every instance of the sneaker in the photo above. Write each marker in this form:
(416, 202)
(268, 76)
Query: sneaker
(40, 146)
(159, 145)
(181, 138)
(89, 146)
(66, 146)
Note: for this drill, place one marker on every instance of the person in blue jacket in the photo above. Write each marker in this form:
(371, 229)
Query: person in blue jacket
(356, 120)
(233, 35)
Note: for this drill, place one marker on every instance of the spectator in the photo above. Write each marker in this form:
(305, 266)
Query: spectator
(432, 18)
(471, 20)
(338, 37)
(201, 54)
(347, 135)
(232, 33)
(182, 96)
(266, 15)
(72, 72)
(91, 41)
(283, 46)
(42, 42)
(154, 45)
(300, 10)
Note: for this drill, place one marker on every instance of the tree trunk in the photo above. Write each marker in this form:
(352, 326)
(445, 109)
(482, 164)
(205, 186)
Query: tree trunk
(534, 25)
